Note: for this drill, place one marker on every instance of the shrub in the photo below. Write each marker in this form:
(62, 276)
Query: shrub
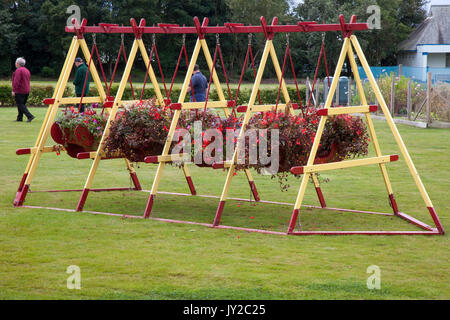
(48, 72)
(400, 92)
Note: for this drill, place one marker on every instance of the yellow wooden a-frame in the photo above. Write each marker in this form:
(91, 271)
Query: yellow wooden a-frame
(311, 169)
(138, 44)
(269, 49)
(57, 100)
(201, 44)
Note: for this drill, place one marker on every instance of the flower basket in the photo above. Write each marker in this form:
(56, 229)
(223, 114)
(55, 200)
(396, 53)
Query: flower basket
(83, 137)
(57, 134)
(78, 132)
(141, 130)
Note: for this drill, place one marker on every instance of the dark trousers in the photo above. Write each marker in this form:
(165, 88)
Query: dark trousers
(21, 100)
(80, 108)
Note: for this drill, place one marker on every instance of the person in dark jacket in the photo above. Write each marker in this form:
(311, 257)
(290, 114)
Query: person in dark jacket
(199, 83)
(80, 78)
(21, 89)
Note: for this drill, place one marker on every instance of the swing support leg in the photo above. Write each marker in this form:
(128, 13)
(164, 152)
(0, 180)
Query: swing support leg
(231, 171)
(44, 123)
(315, 146)
(398, 138)
(48, 121)
(112, 115)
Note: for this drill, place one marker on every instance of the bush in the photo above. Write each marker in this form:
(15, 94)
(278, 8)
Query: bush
(48, 72)
(6, 99)
(400, 92)
(37, 95)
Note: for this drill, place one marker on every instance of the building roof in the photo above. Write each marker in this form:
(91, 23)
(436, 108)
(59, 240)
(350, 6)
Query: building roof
(434, 30)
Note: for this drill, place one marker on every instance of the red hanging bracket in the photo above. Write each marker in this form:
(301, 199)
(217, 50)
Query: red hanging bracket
(346, 31)
(137, 30)
(268, 32)
(199, 28)
(79, 29)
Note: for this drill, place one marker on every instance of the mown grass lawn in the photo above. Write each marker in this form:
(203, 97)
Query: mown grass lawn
(123, 258)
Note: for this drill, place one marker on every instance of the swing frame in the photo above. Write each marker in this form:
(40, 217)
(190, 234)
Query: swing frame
(310, 168)
(308, 171)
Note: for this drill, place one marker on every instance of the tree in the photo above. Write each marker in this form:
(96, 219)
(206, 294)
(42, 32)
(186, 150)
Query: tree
(10, 33)
(398, 20)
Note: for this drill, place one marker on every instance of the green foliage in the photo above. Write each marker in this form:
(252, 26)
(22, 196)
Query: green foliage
(418, 92)
(35, 30)
(37, 94)
(48, 72)
(9, 34)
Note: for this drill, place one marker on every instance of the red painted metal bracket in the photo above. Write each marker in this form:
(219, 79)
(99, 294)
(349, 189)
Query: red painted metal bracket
(79, 29)
(200, 28)
(48, 101)
(137, 30)
(268, 31)
(175, 106)
(107, 26)
(218, 165)
(346, 31)
(151, 159)
(241, 109)
(23, 151)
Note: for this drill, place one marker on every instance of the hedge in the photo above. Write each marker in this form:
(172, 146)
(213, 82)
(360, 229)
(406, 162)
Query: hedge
(39, 93)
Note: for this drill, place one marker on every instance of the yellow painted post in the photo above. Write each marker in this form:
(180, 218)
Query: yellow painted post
(173, 125)
(391, 123)
(278, 71)
(231, 170)
(209, 61)
(112, 115)
(312, 155)
(369, 121)
(20, 197)
(67, 64)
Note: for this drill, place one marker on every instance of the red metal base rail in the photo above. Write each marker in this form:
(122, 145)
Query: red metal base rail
(428, 229)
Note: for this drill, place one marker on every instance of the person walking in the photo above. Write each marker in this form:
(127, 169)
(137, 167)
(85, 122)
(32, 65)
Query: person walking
(21, 89)
(79, 81)
(199, 84)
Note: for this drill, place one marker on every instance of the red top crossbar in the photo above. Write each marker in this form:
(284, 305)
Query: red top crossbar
(202, 29)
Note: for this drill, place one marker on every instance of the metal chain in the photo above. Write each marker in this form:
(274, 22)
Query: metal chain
(184, 39)
(122, 38)
(94, 38)
(217, 39)
(250, 36)
(154, 39)
(287, 39)
(323, 37)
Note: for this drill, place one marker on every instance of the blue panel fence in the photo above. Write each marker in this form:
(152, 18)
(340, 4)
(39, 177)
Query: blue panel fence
(415, 73)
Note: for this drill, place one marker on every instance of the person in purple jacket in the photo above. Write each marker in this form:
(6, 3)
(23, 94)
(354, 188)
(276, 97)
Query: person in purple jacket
(21, 89)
